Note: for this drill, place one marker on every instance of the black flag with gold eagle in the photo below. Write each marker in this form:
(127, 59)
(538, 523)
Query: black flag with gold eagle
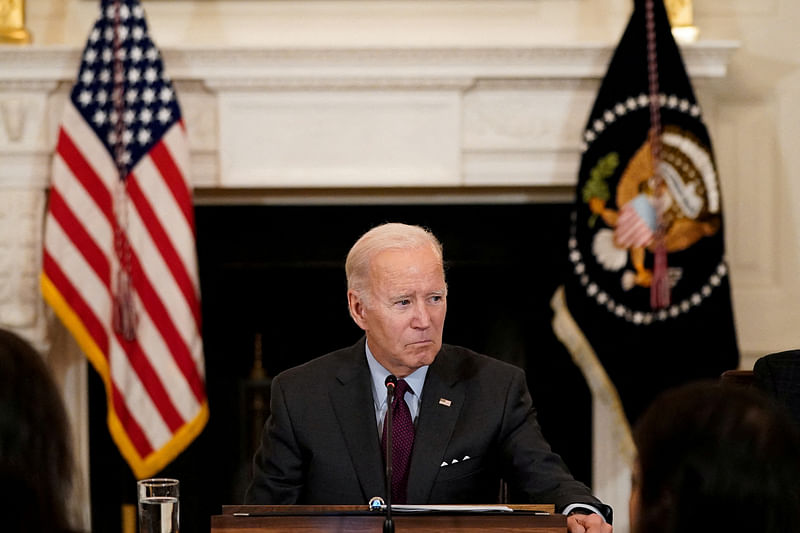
(622, 215)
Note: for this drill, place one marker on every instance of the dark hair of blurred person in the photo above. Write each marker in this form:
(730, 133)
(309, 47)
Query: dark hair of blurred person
(715, 457)
(36, 462)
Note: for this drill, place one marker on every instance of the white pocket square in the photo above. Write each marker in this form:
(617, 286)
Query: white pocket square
(454, 461)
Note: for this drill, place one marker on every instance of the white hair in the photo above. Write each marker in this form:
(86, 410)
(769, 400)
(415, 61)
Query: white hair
(388, 236)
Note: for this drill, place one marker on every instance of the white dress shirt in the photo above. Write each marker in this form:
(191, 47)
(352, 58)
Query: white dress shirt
(413, 396)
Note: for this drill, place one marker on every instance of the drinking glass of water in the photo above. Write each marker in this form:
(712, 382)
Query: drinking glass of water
(159, 510)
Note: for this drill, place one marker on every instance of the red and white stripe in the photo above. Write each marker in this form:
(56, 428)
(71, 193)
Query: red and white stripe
(631, 230)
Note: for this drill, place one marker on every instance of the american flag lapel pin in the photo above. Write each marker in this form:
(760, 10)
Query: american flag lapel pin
(445, 402)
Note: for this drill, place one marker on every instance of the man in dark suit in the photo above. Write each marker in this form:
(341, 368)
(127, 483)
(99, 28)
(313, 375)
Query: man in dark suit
(470, 418)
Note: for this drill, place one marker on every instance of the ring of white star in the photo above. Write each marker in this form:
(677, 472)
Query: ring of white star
(592, 289)
(634, 104)
(635, 316)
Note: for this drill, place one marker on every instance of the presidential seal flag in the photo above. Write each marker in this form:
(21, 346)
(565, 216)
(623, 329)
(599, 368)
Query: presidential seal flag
(119, 263)
(648, 210)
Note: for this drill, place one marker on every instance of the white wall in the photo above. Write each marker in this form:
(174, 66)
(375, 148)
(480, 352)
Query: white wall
(755, 136)
(343, 23)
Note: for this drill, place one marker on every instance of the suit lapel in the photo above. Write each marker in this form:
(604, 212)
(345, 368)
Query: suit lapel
(435, 424)
(351, 397)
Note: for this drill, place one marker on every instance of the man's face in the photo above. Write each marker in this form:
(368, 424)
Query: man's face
(403, 315)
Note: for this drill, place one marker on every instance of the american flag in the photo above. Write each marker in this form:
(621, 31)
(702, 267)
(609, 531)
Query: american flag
(119, 263)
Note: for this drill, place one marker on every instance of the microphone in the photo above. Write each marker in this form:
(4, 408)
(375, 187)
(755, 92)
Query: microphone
(391, 383)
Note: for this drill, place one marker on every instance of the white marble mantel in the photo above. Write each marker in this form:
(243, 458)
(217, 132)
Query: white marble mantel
(348, 117)
(239, 63)
(311, 125)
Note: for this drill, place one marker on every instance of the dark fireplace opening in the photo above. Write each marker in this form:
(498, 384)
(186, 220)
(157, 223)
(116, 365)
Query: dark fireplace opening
(276, 272)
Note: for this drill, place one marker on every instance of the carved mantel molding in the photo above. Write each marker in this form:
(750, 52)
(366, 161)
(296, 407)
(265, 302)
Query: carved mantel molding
(491, 113)
(587, 61)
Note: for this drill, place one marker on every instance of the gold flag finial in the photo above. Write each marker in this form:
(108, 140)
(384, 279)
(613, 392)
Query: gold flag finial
(681, 18)
(12, 22)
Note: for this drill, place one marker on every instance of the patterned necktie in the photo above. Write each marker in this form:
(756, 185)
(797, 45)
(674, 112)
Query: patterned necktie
(402, 441)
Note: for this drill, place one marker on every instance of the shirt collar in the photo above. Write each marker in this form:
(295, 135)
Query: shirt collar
(415, 380)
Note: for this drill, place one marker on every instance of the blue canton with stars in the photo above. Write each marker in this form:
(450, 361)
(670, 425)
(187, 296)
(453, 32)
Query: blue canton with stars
(149, 106)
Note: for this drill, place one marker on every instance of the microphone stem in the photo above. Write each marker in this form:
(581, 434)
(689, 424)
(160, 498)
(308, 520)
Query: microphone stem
(388, 523)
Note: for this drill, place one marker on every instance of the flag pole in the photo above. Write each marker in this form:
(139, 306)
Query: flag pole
(124, 317)
(659, 290)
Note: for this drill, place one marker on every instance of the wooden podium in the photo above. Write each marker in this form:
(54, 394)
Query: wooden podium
(357, 519)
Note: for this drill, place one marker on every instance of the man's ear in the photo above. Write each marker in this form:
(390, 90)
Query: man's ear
(357, 309)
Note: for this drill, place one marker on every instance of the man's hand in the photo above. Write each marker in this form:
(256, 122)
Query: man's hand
(587, 523)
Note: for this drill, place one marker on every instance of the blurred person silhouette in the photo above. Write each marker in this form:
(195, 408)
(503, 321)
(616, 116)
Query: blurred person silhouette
(714, 457)
(36, 462)
(778, 375)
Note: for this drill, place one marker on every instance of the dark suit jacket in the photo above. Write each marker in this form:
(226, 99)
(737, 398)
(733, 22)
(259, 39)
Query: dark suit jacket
(779, 375)
(321, 444)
